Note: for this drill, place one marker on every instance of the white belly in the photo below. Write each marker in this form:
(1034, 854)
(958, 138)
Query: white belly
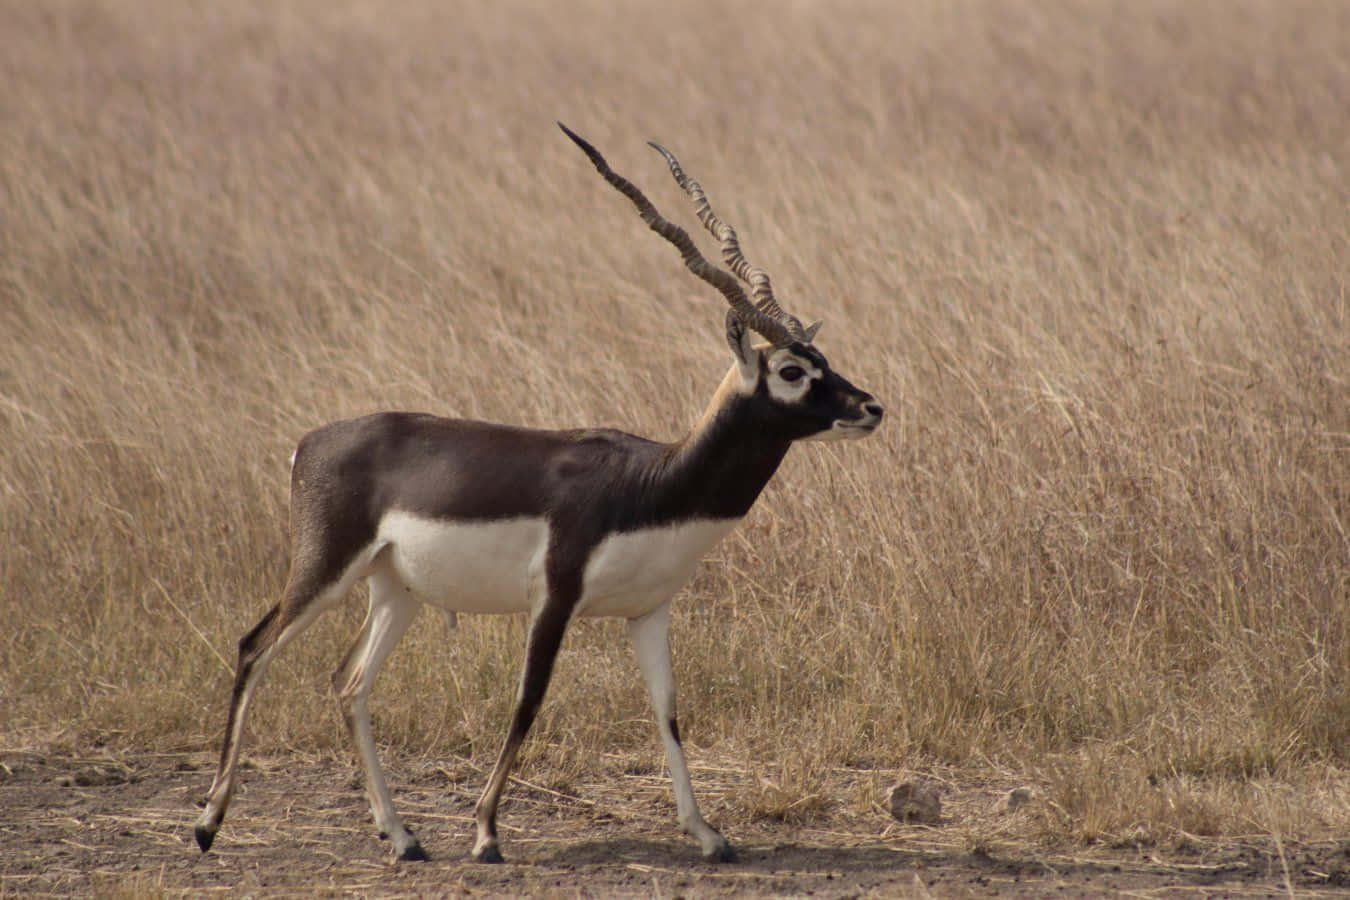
(498, 567)
(472, 567)
(632, 573)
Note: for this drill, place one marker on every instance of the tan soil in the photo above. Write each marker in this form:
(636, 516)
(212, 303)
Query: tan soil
(301, 826)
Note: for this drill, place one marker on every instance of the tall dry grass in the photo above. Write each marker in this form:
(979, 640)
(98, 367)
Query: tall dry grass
(1092, 257)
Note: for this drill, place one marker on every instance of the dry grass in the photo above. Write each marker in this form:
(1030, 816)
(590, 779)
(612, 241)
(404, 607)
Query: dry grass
(1093, 258)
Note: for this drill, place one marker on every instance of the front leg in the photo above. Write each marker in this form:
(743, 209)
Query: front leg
(541, 649)
(651, 642)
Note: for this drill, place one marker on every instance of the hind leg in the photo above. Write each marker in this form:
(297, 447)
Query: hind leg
(301, 603)
(392, 610)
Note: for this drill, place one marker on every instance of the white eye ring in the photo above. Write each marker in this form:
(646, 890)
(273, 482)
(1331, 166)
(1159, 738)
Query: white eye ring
(791, 373)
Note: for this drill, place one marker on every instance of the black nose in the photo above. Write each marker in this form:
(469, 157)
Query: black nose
(872, 407)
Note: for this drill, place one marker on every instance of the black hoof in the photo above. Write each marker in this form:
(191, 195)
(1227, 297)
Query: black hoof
(724, 854)
(414, 853)
(205, 836)
(490, 854)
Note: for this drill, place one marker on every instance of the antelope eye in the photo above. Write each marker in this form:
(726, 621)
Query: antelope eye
(791, 373)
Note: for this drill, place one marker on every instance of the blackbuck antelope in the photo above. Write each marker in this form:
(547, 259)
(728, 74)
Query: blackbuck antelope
(483, 518)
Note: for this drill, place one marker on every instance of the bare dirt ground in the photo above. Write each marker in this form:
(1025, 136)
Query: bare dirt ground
(300, 826)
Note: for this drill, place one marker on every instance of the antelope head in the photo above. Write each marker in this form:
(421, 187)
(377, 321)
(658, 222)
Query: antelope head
(785, 384)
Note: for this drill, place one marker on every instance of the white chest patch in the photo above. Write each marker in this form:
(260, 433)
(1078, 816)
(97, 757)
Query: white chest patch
(632, 573)
(472, 567)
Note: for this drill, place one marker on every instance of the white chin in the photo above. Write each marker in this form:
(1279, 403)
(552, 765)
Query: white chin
(841, 431)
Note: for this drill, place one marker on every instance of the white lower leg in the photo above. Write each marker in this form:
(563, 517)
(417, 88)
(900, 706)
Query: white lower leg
(391, 612)
(710, 841)
(382, 809)
(651, 643)
(222, 786)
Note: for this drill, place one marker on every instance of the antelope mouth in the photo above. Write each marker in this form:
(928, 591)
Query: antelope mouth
(858, 428)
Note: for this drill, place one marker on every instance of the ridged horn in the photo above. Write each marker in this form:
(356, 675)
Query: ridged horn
(776, 331)
(757, 278)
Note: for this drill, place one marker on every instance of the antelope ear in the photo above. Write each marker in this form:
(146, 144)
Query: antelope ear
(812, 329)
(742, 348)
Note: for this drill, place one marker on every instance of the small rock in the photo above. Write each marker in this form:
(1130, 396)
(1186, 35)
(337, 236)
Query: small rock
(919, 800)
(99, 776)
(1016, 799)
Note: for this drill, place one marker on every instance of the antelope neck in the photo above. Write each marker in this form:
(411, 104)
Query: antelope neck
(719, 469)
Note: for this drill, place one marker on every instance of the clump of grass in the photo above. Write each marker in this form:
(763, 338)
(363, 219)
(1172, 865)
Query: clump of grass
(1090, 256)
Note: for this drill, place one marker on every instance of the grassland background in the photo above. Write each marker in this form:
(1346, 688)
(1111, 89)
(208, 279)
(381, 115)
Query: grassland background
(1092, 256)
